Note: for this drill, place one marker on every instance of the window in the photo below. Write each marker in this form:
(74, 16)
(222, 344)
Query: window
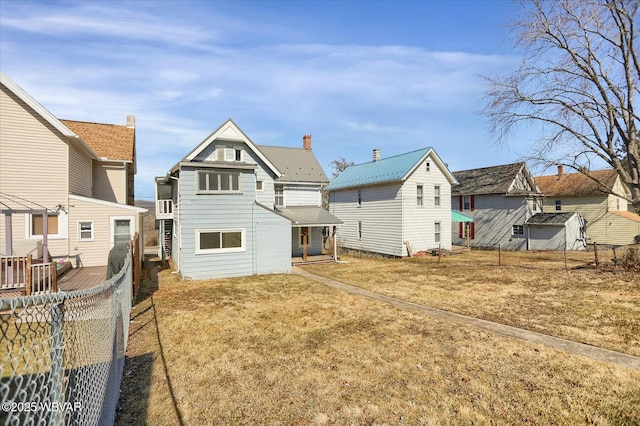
(359, 197)
(535, 204)
(219, 240)
(259, 185)
(558, 205)
(210, 181)
(428, 164)
(279, 192)
(359, 229)
(37, 224)
(518, 230)
(420, 195)
(436, 195)
(466, 202)
(85, 231)
(238, 155)
(437, 232)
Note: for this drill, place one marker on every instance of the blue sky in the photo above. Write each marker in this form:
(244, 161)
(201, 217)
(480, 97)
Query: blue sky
(356, 75)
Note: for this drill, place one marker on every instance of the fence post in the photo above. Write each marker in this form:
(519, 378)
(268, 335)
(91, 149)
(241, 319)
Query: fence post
(595, 252)
(56, 376)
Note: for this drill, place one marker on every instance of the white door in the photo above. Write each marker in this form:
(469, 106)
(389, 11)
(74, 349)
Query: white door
(121, 229)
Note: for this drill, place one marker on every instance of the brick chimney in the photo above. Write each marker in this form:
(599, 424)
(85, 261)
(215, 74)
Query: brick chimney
(131, 121)
(560, 169)
(376, 154)
(306, 141)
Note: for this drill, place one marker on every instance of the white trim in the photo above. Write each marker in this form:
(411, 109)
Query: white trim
(112, 222)
(63, 226)
(242, 248)
(93, 230)
(107, 203)
(222, 134)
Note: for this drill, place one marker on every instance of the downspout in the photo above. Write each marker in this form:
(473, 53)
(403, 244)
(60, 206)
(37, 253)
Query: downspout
(176, 212)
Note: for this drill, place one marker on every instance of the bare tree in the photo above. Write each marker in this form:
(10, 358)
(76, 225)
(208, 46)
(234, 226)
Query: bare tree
(339, 165)
(578, 79)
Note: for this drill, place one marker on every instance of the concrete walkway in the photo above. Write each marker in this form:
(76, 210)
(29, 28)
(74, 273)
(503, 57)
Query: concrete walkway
(593, 352)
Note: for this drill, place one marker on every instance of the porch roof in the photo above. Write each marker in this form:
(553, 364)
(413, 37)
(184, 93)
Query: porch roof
(308, 216)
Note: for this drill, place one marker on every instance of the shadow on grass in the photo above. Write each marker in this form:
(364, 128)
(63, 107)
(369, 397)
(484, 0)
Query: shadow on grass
(137, 380)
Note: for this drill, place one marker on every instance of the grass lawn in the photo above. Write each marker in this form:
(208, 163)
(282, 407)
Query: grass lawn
(281, 349)
(529, 290)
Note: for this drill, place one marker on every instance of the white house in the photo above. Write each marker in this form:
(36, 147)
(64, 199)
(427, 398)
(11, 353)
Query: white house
(394, 205)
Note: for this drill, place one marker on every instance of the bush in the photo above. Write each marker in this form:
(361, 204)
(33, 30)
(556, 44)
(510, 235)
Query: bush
(151, 239)
(631, 258)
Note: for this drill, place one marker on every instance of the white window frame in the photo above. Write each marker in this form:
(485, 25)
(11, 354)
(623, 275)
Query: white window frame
(63, 222)
(428, 166)
(420, 195)
(518, 228)
(359, 229)
(112, 227)
(219, 191)
(92, 230)
(276, 196)
(436, 195)
(242, 248)
(558, 205)
(359, 197)
(464, 203)
(259, 185)
(437, 231)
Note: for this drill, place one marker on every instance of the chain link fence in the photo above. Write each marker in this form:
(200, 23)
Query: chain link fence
(63, 353)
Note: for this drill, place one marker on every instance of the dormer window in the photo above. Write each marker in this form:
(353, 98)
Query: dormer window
(232, 154)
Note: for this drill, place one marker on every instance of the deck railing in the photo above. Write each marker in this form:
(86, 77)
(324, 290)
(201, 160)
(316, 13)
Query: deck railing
(164, 209)
(20, 273)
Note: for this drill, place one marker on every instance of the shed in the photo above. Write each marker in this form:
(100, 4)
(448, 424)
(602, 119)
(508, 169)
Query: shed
(557, 231)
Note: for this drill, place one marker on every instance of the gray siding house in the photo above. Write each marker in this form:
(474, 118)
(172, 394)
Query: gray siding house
(557, 231)
(394, 205)
(500, 199)
(232, 208)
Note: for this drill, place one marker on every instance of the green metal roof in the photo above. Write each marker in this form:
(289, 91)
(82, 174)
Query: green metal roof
(384, 170)
(456, 216)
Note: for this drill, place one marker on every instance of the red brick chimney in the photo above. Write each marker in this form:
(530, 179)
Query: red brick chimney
(560, 169)
(306, 141)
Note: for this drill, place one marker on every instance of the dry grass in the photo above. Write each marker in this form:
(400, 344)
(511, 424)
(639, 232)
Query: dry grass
(530, 290)
(283, 350)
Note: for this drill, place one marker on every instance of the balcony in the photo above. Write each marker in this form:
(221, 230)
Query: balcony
(164, 209)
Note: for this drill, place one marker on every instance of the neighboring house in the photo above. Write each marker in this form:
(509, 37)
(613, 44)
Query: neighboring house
(500, 199)
(394, 205)
(65, 185)
(557, 231)
(233, 208)
(608, 216)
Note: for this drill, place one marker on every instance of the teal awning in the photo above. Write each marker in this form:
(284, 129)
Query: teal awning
(456, 216)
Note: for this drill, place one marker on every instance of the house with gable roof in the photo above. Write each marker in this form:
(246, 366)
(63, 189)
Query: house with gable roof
(500, 199)
(234, 208)
(66, 187)
(395, 205)
(608, 215)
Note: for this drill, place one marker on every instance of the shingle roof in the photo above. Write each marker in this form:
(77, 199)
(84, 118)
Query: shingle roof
(110, 141)
(487, 180)
(295, 164)
(388, 169)
(556, 219)
(577, 184)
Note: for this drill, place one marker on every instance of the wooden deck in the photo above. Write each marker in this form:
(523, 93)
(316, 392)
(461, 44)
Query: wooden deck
(82, 278)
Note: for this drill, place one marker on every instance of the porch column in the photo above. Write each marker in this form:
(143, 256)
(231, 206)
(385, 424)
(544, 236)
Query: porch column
(45, 240)
(8, 233)
(335, 243)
